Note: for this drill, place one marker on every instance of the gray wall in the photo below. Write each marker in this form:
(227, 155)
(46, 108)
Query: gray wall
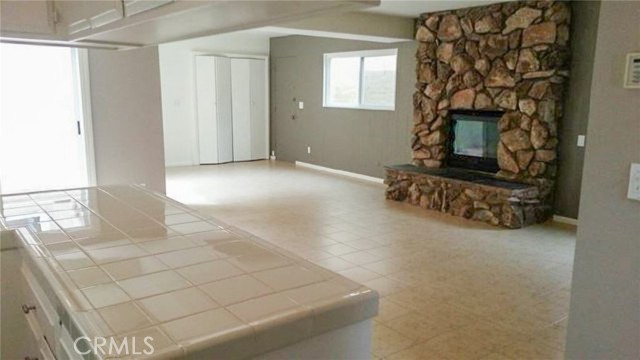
(604, 319)
(584, 27)
(127, 117)
(360, 141)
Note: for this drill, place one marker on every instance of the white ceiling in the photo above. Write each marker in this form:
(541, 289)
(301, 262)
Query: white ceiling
(413, 8)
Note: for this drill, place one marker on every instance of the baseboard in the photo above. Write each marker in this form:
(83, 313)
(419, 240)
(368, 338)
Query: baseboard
(565, 220)
(178, 164)
(340, 172)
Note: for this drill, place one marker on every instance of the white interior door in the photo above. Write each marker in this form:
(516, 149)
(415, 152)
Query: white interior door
(258, 108)
(213, 106)
(241, 99)
(224, 118)
(42, 145)
(206, 109)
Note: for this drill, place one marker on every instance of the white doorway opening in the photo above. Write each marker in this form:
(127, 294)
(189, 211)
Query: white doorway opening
(45, 128)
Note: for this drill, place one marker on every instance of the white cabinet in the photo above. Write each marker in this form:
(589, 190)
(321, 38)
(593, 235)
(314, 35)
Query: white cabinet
(132, 7)
(213, 97)
(31, 17)
(231, 109)
(249, 109)
(77, 16)
(17, 340)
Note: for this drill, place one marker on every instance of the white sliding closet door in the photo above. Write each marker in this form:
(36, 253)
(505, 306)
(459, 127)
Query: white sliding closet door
(258, 106)
(249, 109)
(213, 95)
(241, 99)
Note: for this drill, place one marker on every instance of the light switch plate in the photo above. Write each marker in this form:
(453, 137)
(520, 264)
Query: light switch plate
(300, 105)
(581, 140)
(634, 183)
(632, 71)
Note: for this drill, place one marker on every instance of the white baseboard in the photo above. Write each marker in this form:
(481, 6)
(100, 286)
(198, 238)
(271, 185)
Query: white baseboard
(565, 220)
(340, 172)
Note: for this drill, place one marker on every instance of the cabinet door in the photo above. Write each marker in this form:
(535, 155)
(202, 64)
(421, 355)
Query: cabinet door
(104, 12)
(78, 16)
(206, 108)
(17, 340)
(241, 100)
(73, 16)
(132, 7)
(34, 17)
(258, 108)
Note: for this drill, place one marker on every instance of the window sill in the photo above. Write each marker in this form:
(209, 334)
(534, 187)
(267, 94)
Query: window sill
(359, 107)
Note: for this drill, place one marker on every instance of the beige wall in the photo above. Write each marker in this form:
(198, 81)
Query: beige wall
(584, 30)
(360, 141)
(604, 320)
(358, 23)
(127, 117)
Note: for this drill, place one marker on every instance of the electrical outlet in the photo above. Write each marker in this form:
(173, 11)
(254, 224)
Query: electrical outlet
(309, 150)
(634, 182)
(581, 140)
(300, 105)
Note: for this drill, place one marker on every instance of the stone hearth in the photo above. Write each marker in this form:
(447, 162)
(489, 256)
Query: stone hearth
(481, 198)
(511, 57)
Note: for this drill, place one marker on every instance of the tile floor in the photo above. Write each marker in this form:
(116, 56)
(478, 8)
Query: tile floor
(450, 288)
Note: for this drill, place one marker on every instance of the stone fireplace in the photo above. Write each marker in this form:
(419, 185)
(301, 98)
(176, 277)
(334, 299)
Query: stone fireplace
(510, 58)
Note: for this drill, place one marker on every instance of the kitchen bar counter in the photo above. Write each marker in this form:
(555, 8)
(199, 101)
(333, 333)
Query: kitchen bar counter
(123, 263)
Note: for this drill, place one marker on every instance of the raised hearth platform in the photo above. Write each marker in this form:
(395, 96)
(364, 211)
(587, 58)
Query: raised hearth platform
(469, 194)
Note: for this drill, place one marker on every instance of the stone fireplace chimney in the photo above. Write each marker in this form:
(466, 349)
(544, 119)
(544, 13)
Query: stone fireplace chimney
(511, 57)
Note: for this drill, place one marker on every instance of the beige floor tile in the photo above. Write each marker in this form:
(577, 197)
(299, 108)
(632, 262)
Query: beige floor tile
(417, 352)
(387, 341)
(388, 310)
(553, 336)
(417, 327)
(531, 350)
(478, 289)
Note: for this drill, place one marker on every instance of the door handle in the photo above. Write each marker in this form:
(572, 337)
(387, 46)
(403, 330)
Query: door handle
(26, 308)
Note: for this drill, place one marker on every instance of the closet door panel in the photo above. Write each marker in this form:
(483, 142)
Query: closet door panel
(206, 109)
(258, 109)
(224, 117)
(241, 99)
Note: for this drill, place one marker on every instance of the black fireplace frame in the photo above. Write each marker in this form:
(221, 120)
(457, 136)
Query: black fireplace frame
(484, 164)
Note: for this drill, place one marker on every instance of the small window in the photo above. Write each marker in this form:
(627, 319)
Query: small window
(361, 79)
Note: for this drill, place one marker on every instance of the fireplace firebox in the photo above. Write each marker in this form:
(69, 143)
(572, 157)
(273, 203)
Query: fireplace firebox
(473, 140)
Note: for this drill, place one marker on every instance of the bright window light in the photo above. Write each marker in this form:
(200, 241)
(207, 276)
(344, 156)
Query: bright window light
(361, 79)
(40, 148)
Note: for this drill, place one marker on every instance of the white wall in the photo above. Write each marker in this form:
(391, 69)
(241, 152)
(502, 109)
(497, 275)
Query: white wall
(127, 117)
(177, 75)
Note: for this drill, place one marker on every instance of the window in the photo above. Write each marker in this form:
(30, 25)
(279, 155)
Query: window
(361, 79)
(42, 145)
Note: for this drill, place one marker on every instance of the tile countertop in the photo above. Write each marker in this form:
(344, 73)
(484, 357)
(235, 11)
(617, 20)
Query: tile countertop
(125, 261)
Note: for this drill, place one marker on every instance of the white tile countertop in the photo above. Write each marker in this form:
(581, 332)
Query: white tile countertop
(124, 261)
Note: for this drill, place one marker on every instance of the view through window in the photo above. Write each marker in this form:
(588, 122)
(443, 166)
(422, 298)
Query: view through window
(365, 79)
(41, 145)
